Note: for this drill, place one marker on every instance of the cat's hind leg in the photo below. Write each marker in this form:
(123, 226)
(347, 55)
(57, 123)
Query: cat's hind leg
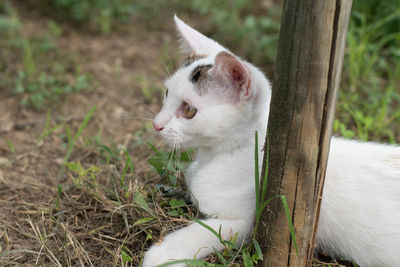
(196, 241)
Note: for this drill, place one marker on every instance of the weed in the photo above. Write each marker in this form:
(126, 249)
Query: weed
(72, 140)
(11, 146)
(110, 153)
(176, 207)
(99, 15)
(41, 81)
(369, 97)
(147, 88)
(9, 26)
(48, 130)
(169, 165)
(46, 90)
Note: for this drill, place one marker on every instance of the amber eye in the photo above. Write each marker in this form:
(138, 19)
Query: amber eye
(188, 110)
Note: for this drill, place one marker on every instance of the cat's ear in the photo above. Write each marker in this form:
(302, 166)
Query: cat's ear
(232, 74)
(195, 43)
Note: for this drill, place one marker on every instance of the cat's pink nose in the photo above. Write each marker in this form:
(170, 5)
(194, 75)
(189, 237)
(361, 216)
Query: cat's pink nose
(157, 127)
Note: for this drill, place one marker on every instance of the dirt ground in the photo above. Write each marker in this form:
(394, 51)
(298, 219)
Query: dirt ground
(39, 226)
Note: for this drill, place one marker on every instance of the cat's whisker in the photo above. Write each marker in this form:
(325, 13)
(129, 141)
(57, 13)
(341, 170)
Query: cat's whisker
(148, 133)
(188, 151)
(145, 137)
(166, 156)
(162, 147)
(139, 118)
(165, 65)
(146, 106)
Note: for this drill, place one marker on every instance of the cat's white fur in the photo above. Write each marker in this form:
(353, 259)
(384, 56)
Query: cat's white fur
(360, 212)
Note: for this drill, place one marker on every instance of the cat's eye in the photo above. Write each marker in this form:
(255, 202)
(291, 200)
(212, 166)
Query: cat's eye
(188, 110)
(166, 93)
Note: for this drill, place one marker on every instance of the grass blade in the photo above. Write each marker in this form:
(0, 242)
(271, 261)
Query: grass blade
(127, 168)
(191, 263)
(139, 199)
(220, 257)
(247, 260)
(71, 141)
(208, 228)
(256, 171)
(265, 181)
(258, 249)
(289, 219)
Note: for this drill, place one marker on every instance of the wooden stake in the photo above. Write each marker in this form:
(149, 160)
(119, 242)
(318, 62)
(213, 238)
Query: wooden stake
(308, 69)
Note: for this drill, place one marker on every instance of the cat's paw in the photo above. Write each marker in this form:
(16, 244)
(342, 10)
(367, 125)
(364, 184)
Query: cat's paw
(157, 255)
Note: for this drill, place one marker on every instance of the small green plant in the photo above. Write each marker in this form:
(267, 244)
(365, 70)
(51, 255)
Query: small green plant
(77, 168)
(369, 96)
(177, 206)
(59, 192)
(11, 146)
(72, 140)
(109, 151)
(146, 86)
(9, 26)
(125, 256)
(140, 200)
(169, 165)
(46, 90)
(99, 15)
(39, 80)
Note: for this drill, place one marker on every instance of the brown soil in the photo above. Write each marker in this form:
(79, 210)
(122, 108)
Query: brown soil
(87, 230)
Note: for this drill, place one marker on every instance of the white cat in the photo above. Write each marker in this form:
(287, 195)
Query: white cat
(214, 103)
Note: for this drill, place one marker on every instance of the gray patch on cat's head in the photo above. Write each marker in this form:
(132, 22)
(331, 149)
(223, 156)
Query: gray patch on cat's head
(200, 78)
(189, 60)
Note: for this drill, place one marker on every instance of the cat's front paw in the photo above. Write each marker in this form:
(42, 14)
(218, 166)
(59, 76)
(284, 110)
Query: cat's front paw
(157, 255)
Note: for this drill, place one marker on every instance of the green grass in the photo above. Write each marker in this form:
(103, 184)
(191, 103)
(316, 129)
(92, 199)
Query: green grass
(369, 96)
(37, 75)
(71, 144)
(97, 15)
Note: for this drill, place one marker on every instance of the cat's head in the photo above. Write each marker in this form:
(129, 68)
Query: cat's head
(214, 98)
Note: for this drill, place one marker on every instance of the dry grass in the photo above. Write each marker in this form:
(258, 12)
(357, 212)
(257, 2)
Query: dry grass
(90, 224)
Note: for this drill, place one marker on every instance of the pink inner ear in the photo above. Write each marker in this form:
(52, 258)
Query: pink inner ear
(231, 72)
(237, 75)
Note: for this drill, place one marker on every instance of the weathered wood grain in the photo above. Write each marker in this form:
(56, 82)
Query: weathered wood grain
(308, 70)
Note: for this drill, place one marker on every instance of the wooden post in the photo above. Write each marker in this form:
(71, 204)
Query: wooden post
(308, 70)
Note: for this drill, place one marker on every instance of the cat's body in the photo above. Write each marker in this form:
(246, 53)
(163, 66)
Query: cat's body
(215, 104)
